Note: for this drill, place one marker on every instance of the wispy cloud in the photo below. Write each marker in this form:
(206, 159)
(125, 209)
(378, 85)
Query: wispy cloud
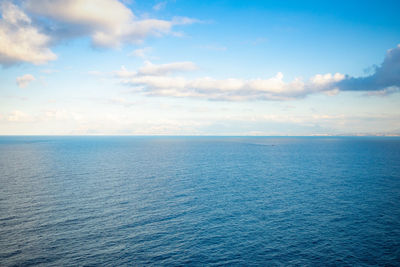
(156, 70)
(24, 80)
(49, 71)
(18, 116)
(95, 72)
(164, 69)
(257, 41)
(141, 52)
(160, 5)
(122, 102)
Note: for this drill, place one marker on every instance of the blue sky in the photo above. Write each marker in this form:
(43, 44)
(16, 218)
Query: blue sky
(199, 67)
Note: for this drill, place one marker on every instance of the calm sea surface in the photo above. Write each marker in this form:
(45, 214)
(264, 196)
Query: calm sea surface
(74, 201)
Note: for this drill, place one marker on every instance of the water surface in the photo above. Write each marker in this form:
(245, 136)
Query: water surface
(68, 201)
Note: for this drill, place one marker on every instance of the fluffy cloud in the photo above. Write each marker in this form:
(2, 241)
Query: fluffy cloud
(155, 80)
(20, 41)
(24, 80)
(108, 22)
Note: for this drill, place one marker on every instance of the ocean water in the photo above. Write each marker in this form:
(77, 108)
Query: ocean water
(199, 201)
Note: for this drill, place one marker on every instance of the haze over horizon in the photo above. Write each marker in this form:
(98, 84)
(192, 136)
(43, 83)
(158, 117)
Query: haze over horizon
(109, 67)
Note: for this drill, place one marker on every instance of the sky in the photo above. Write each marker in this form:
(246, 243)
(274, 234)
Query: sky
(188, 67)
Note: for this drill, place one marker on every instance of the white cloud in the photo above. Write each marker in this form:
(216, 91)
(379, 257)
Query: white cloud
(163, 69)
(18, 116)
(153, 70)
(225, 89)
(322, 80)
(108, 22)
(95, 72)
(160, 6)
(58, 115)
(49, 71)
(24, 80)
(122, 101)
(124, 73)
(20, 41)
(184, 21)
(141, 52)
(155, 80)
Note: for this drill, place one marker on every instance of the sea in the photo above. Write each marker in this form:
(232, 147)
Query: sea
(199, 201)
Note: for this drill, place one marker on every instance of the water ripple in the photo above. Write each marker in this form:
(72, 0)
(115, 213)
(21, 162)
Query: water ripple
(115, 201)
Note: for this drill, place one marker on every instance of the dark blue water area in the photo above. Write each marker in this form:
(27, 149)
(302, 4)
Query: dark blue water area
(199, 201)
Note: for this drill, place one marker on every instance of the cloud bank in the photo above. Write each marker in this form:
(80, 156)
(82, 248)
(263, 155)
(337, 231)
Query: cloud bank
(155, 80)
(158, 80)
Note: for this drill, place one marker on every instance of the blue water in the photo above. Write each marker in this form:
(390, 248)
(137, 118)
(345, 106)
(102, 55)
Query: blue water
(196, 201)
